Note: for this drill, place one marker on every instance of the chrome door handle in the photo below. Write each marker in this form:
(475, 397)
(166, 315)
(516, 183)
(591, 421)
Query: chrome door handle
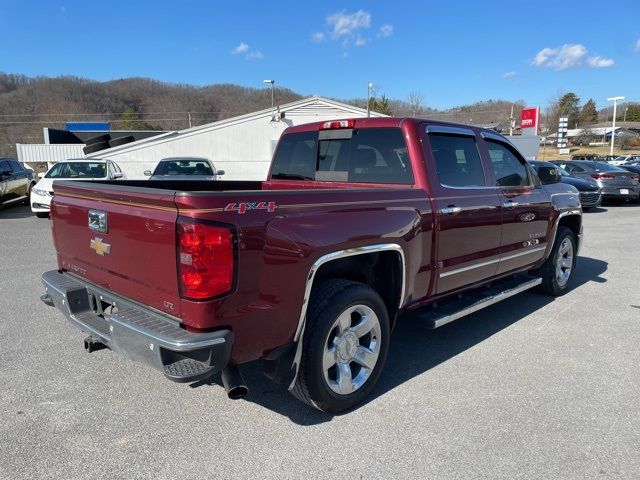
(450, 210)
(510, 205)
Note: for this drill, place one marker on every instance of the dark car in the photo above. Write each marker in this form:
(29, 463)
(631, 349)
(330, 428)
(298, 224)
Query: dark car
(15, 182)
(590, 196)
(184, 168)
(590, 157)
(616, 183)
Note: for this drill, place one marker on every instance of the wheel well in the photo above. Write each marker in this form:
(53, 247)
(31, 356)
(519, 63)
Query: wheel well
(382, 271)
(573, 223)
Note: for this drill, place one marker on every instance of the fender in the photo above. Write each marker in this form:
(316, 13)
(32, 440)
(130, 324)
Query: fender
(394, 247)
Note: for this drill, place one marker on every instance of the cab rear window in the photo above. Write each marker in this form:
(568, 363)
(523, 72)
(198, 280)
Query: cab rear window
(371, 155)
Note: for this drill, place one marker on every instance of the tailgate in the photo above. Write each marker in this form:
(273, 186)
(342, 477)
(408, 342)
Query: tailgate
(136, 256)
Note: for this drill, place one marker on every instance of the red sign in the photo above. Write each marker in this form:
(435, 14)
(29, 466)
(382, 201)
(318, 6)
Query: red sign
(529, 118)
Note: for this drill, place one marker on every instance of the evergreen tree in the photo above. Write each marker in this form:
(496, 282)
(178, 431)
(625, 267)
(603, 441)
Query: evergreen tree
(130, 120)
(588, 114)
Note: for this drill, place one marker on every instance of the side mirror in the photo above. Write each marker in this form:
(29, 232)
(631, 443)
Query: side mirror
(147, 173)
(548, 175)
(118, 175)
(42, 174)
(219, 172)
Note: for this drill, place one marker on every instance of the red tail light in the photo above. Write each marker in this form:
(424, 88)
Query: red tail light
(603, 176)
(635, 178)
(338, 124)
(205, 260)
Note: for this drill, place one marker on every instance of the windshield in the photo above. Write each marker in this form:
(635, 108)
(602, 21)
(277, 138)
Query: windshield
(563, 172)
(78, 170)
(183, 167)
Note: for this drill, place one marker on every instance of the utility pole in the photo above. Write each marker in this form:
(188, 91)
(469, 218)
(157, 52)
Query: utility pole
(369, 85)
(272, 82)
(511, 122)
(613, 125)
(625, 114)
(189, 115)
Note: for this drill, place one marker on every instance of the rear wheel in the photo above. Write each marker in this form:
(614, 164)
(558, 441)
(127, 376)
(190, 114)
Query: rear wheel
(345, 345)
(557, 269)
(27, 200)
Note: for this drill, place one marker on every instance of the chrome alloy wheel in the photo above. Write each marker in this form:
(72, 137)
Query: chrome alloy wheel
(564, 263)
(352, 348)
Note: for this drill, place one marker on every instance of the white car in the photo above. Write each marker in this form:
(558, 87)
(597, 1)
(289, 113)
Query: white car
(624, 159)
(72, 169)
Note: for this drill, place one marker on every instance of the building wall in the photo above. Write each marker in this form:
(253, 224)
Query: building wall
(40, 157)
(242, 149)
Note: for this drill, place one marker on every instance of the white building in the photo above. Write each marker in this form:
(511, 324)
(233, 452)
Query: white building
(241, 146)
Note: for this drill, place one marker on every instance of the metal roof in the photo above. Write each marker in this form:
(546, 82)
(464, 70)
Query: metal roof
(305, 103)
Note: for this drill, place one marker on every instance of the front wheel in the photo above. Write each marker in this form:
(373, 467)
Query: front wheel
(345, 345)
(558, 268)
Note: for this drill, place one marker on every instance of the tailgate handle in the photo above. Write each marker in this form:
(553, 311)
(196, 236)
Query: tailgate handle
(98, 221)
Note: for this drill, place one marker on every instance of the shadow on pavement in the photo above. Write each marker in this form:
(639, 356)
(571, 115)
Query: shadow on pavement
(416, 349)
(13, 212)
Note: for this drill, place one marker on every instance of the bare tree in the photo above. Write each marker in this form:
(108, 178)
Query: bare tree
(415, 99)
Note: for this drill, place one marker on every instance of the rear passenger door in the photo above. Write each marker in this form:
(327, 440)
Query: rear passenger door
(468, 208)
(526, 208)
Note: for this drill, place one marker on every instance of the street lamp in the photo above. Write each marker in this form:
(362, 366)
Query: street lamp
(272, 82)
(613, 127)
(625, 114)
(369, 85)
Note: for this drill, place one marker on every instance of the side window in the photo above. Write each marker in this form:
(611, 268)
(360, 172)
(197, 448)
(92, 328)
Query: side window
(457, 160)
(296, 156)
(15, 166)
(509, 167)
(576, 168)
(4, 166)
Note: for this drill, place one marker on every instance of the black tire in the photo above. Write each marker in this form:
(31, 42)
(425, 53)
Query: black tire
(27, 201)
(328, 300)
(95, 147)
(121, 141)
(551, 285)
(42, 214)
(98, 139)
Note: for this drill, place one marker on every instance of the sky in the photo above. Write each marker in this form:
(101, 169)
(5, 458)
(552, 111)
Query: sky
(453, 53)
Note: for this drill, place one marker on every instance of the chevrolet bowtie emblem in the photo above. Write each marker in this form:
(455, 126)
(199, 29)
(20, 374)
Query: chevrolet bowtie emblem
(100, 247)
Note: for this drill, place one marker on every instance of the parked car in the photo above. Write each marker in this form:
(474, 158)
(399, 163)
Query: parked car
(16, 182)
(624, 159)
(83, 169)
(590, 157)
(616, 184)
(590, 195)
(184, 168)
(358, 222)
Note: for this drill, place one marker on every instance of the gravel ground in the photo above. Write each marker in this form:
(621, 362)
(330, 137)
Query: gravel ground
(530, 388)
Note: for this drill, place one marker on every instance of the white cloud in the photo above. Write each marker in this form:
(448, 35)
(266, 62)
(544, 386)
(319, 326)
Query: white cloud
(257, 55)
(385, 31)
(511, 73)
(242, 48)
(561, 58)
(345, 24)
(317, 37)
(600, 62)
(360, 41)
(637, 48)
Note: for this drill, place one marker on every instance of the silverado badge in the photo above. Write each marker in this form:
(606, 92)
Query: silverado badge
(100, 247)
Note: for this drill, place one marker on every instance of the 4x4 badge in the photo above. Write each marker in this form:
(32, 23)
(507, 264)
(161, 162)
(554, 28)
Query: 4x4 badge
(100, 247)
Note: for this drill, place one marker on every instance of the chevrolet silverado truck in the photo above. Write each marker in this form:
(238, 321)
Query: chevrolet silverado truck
(359, 222)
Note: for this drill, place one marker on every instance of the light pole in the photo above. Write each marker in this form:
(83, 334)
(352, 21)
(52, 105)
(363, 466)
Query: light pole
(613, 127)
(272, 82)
(369, 85)
(625, 114)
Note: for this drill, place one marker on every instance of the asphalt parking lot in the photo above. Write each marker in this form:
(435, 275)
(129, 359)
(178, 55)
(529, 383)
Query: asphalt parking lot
(530, 388)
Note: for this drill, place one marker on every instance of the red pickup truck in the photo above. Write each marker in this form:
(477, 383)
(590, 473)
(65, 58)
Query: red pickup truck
(360, 221)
